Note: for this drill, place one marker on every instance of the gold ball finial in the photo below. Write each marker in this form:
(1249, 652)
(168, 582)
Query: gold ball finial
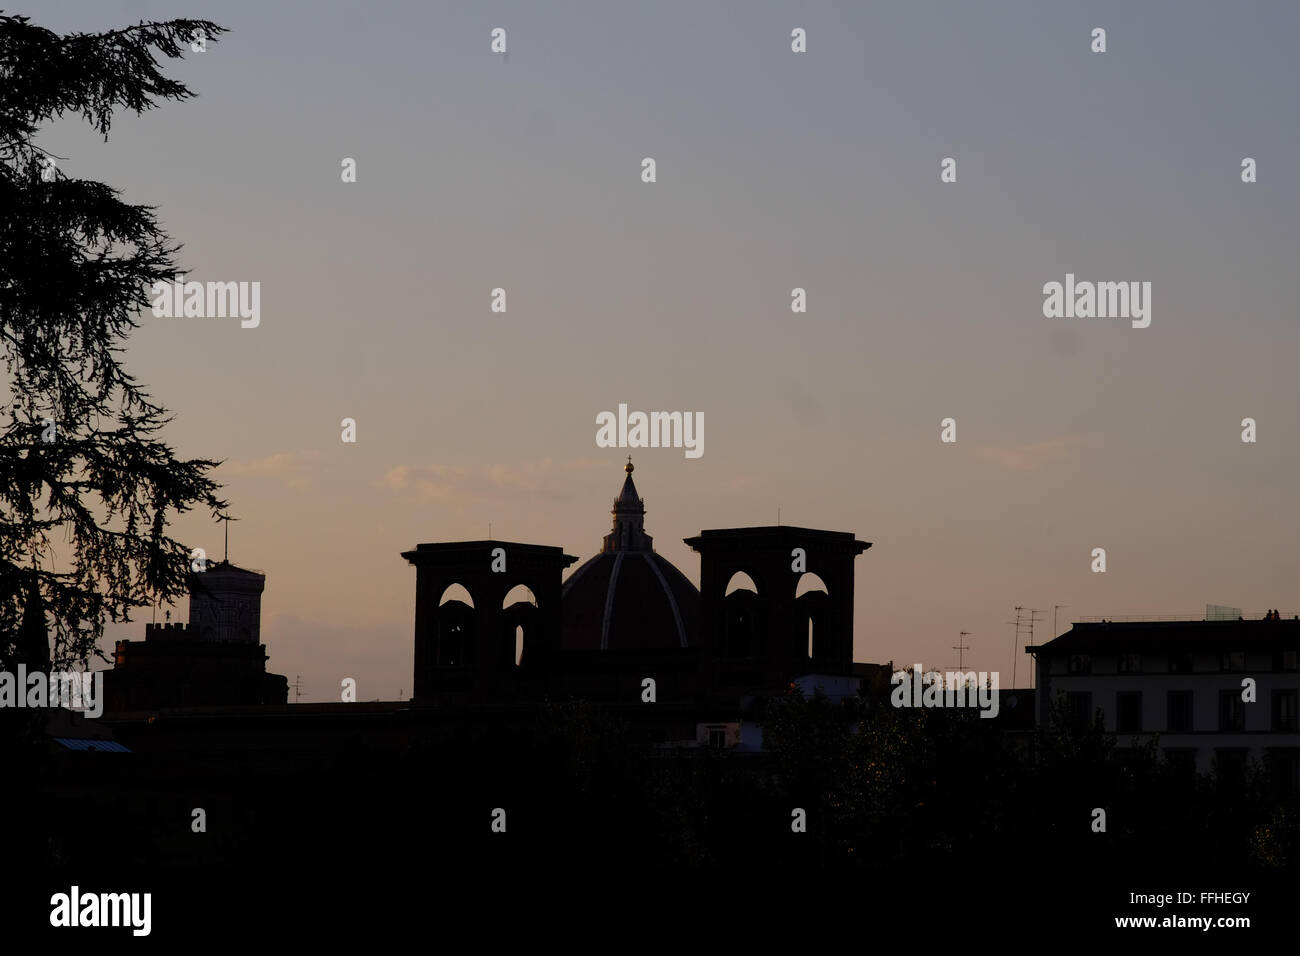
(629, 467)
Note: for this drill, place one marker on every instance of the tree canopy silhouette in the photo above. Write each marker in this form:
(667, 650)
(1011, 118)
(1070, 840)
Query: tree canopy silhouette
(87, 486)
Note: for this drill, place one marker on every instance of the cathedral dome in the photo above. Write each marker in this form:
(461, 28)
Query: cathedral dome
(628, 597)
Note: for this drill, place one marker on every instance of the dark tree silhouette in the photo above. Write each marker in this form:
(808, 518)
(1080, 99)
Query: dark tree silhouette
(87, 488)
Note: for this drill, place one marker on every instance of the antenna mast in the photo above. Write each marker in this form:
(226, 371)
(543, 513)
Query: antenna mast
(1024, 622)
(227, 519)
(961, 649)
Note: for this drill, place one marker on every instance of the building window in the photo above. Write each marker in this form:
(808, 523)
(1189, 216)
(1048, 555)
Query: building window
(1128, 712)
(1232, 711)
(1284, 711)
(717, 739)
(1079, 708)
(1130, 663)
(1286, 661)
(1232, 661)
(1284, 769)
(1080, 664)
(1182, 759)
(1131, 757)
(1230, 764)
(1180, 712)
(1180, 663)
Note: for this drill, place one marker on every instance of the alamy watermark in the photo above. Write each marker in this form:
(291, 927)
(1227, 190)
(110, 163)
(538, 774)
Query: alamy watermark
(651, 430)
(75, 908)
(950, 689)
(208, 300)
(1102, 300)
(76, 690)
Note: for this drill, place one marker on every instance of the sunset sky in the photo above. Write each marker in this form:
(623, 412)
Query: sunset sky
(775, 170)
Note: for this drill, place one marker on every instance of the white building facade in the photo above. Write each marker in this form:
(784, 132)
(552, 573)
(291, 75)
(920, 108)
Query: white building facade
(1215, 694)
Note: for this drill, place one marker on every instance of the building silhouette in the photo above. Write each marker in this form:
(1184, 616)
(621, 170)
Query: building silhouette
(628, 596)
(216, 659)
(1184, 682)
(495, 624)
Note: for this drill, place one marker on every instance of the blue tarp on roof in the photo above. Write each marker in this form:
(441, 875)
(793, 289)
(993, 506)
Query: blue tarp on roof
(74, 743)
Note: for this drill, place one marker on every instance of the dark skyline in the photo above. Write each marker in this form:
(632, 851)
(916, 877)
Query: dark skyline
(776, 171)
(912, 321)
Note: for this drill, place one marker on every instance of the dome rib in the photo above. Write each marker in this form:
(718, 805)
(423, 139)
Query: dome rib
(609, 600)
(672, 601)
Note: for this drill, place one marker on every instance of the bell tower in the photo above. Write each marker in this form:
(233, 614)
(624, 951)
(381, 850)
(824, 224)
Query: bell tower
(466, 648)
(226, 604)
(765, 636)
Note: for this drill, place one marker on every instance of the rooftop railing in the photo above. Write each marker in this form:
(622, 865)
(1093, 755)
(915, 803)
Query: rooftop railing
(1134, 618)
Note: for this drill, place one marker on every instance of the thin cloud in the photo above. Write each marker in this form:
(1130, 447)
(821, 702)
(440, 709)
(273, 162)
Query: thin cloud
(294, 469)
(1028, 456)
(543, 479)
